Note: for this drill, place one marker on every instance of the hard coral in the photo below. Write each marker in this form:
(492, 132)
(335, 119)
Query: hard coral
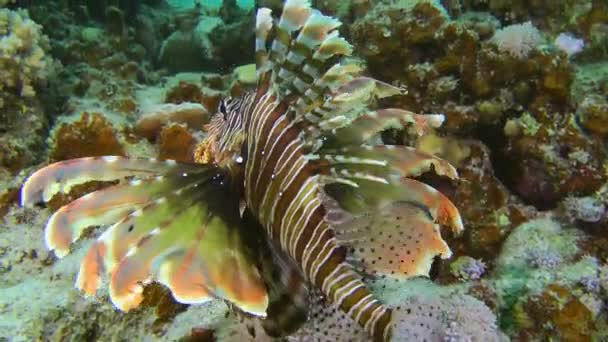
(175, 142)
(390, 35)
(518, 40)
(190, 92)
(489, 211)
(24, 63)
(92, 135)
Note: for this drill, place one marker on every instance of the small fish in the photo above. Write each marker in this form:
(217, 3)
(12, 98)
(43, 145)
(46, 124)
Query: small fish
(289, 208)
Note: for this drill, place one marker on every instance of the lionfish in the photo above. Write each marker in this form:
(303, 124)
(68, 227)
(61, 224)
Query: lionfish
(292, 203)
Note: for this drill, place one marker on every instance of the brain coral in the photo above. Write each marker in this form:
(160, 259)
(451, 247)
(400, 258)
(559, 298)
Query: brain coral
(23, 62)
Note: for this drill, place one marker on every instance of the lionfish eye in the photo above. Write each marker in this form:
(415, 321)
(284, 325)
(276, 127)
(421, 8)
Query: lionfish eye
(222, 109)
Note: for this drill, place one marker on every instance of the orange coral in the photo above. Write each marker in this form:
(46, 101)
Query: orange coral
(175, 142)
(92, 135)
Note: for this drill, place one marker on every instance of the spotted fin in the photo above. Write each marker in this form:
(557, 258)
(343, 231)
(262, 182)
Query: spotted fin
(172, 223)
(398, 239)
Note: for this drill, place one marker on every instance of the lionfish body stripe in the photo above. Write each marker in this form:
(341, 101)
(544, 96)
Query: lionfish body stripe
(285, 193)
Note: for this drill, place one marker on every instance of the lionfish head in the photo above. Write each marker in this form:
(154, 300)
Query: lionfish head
(223, 145)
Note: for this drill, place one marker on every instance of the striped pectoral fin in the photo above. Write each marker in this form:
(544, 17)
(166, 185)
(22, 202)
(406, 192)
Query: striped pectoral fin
(116, 242)
(379, 174)
(199, 256)
(215, 263)
(398, 239)
(127, 231)
(166, 229)
(439, 206)
(60, 177)
(367, 125)
(407, 161)
(101, 207)
(371, 193)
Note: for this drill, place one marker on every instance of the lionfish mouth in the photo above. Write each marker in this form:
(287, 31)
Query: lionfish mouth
(292, 237)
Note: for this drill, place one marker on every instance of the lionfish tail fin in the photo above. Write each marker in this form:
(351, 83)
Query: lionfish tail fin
(166, 224)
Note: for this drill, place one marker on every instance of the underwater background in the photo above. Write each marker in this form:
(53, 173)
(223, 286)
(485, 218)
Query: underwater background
(523, 85)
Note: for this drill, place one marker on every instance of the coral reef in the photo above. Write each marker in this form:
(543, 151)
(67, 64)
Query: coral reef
(25, 67)
(24, 63)
(92, 135)
(522, 85)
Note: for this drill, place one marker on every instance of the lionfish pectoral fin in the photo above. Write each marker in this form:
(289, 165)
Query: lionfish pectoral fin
(101, 207)
(361, 129)
(166, 225)
(379, 174)
(397, 239)
(217, 265)
(197, 255)
(61, 176)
